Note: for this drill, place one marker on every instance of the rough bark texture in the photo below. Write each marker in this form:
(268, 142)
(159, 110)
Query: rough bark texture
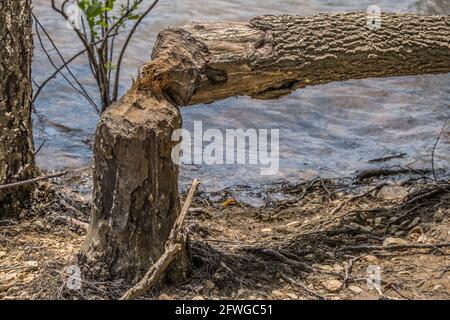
(135, 181)
(135, 201)
(273, 55)
(16, 140)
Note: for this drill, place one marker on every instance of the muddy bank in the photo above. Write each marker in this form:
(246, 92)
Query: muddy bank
(316, 240)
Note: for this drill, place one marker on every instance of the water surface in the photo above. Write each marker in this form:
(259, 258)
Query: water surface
(331, 130)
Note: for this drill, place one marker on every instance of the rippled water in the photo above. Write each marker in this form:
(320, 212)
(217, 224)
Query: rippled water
(331, 130)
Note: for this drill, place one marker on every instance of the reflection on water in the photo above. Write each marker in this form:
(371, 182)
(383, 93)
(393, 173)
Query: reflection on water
(332, 130)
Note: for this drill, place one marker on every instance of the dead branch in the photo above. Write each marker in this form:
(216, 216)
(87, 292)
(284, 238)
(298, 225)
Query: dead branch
(25, 182)
(387, 158)
(397, 246)
(173, 246)
(358, 196)
(295, 284)
(380, 172)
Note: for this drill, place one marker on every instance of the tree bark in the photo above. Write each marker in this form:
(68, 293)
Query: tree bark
(16, 139)
(273, 55)
(136, 183)
(135, 201)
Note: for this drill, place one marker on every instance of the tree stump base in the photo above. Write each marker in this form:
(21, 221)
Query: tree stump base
(135, 200)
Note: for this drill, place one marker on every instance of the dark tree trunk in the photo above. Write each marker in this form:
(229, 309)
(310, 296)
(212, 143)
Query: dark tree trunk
(16, 139)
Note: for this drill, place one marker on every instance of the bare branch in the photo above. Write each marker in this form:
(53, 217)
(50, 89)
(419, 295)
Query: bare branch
(82, 91)
(124, 48)
(53, 75)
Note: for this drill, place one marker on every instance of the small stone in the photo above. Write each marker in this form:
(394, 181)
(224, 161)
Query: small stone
(209, 284)
(371, 258)
(355, 289)
(31, 265)
(266, 230)
(394, 241)
(332, 285)
(323, 267)
(309, 257)
(164, 297)
(198, 298)
(38, 224)
(277, 294)
(2, 254)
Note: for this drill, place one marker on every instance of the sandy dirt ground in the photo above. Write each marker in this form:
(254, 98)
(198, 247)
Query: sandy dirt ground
(326, 239)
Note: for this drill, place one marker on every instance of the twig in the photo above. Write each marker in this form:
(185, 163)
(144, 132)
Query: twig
(348, 270)
(434, 149)
(277, 255)
(358, 196)
(294, 283)
(40, 147)
(25, 182)
(92, 60)
(172, 248)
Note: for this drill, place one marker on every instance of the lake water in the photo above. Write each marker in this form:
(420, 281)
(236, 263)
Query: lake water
(331, 130)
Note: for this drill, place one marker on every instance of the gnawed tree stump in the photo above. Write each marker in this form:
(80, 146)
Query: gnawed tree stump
(135, 200)
(135, 181)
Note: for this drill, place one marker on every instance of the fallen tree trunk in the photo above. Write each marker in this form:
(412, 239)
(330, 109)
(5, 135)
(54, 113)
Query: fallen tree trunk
(136, 183)
(273, 55)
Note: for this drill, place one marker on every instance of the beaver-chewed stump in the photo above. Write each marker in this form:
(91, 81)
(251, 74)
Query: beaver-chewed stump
(136, 200)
